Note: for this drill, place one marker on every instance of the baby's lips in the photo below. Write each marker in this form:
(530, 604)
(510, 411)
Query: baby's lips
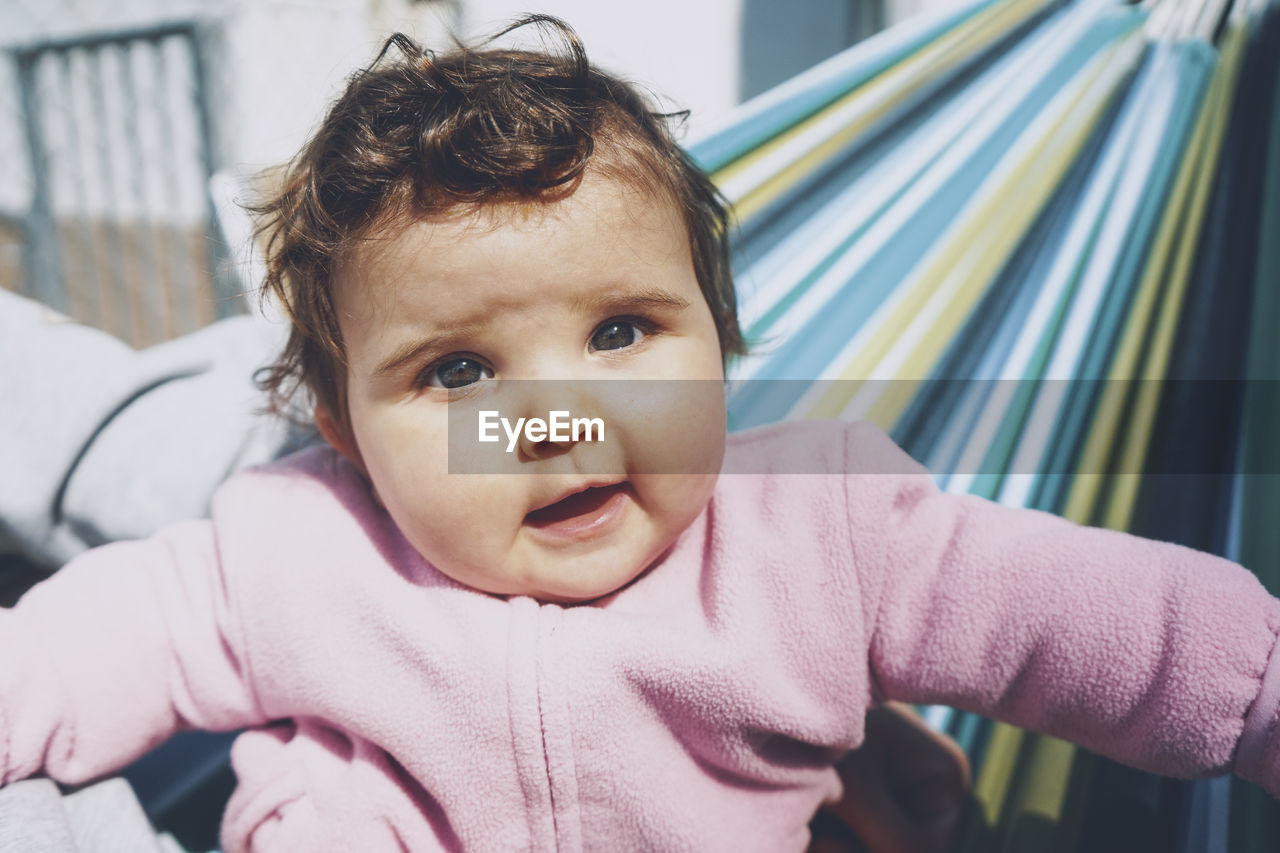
(580, 500)
(578, 505)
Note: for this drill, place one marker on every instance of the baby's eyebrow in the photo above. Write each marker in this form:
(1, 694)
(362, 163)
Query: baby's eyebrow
(414, 350)
(649, 297)
(636, 300)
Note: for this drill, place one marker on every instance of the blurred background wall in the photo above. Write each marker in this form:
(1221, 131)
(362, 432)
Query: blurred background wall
(115, 113)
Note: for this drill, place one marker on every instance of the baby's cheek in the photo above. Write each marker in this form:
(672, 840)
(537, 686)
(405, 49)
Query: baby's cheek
(675, 427)
(471, 517)
(695, 491)
(673, 501)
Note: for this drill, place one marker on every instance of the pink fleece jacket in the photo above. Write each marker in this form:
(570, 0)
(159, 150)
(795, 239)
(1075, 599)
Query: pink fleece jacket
(699, 708)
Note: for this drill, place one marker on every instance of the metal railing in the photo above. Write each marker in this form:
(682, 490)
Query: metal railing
(119, 231)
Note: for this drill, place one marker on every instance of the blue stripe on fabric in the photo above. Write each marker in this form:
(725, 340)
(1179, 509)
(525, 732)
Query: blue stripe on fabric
(807, 353)
(1051, 350)
(935, 428)
(774, 111)
(863, 180)
(1187, 69)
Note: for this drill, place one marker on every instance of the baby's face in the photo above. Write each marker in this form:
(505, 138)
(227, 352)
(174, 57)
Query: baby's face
(458, 312)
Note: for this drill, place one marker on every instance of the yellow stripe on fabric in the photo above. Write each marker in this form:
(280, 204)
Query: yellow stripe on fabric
(1045, 777)
(1119, 509)
(975, 253)
(1101, 438)
(889, 88)
(1046, 785)
(956, 274)
(1167, 274)
(992, 785)
(1047, 782)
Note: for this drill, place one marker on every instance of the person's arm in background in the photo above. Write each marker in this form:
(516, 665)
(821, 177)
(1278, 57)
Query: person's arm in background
(906, 790)
(99, 442)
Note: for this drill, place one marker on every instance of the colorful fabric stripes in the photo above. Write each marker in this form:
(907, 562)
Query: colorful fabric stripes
(1037, 242)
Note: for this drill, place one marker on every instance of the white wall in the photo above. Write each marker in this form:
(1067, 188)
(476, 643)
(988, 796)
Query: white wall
(688, 53)
(685, 51)
(283, 62)
(290, 58)
(279, 63)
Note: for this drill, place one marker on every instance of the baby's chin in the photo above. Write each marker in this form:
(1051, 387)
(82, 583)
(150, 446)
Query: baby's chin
(572, 579)
(573, 587)
(588, 593)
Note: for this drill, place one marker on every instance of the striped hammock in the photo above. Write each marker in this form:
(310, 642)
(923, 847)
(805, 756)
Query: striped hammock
(1038, 242)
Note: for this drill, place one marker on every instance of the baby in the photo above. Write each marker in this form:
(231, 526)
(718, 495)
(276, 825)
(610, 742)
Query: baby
(593, 640)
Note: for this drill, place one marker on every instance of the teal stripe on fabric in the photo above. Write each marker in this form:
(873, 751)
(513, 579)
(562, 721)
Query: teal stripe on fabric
(809, 351)
(1260, 545)
(767, 115)
(1132, 222)
(773, 284)
(1056, 351)
(1054, 290)
(966, 730)
(1030, 355)
(936, 430)
(1053, 352)
(1195, 63)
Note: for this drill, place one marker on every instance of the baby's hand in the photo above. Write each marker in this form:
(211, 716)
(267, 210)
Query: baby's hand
(905, 790)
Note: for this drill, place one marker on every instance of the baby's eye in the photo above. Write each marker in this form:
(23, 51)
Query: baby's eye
(616, 334)
(456, 373)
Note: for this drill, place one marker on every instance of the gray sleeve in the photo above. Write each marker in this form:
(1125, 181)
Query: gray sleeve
(99, 442)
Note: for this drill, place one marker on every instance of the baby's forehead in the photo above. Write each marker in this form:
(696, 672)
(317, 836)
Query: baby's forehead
(600, 232)
(613, 206)
(626, 198)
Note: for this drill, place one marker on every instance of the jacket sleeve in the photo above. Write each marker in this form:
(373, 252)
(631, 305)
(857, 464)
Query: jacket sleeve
(125, 645)
(1154, 654)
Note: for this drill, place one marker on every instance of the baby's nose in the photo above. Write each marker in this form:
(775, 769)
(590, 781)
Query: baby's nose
(559, 415)
(547, 438)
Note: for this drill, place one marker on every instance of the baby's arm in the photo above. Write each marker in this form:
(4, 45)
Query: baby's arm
(1152, 653)
(124, 646)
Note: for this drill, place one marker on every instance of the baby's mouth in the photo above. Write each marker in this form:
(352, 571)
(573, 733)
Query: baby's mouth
(581, 505)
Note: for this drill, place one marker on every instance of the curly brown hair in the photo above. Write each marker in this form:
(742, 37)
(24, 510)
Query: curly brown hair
(423, 134)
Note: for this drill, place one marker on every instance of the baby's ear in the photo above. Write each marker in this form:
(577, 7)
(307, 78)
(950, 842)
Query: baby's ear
(337, 431)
